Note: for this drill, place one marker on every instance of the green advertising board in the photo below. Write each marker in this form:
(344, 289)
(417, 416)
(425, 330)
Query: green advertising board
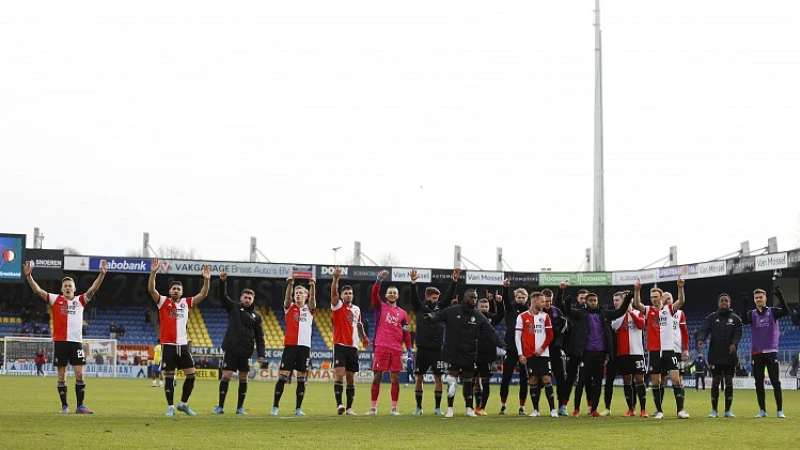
(575, 279)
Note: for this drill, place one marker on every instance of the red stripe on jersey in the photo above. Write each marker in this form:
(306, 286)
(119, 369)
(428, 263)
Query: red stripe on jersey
(536, 332)
(345, 324)
(67, 317)
(659, 328)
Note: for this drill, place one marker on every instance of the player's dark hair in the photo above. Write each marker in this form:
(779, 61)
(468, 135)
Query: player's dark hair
(723, 295)
(174, 283)
(470, 291)
(535, 294)
(346, 287)
(67, 279)
(248, 291)
(583, 291)
(591, 294)
(392, 286)
(430, 290)
(547, 293)
(760, 291)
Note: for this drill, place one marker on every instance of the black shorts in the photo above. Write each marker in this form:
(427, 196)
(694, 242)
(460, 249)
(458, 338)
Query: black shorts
(722, 369)
(176, 357)
(69, 352)
(295, 357)
(631, 365)
(662, 362)
(484, 370)
(235, 363)
(539, 366)
(345, 356)
(428, 359)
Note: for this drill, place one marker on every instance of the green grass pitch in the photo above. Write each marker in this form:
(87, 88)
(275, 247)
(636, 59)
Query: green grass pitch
(129, 414)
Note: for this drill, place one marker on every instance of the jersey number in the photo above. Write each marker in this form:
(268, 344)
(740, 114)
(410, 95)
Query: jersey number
(80, 353)
(675, 360)
(640, 364)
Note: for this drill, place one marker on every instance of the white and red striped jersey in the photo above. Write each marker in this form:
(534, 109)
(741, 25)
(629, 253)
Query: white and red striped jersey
(67, 317)
(298, 325)
(345, 324)
(659, 328)
(629, 333)
(174, 317)
(680, 332)
(533, 331)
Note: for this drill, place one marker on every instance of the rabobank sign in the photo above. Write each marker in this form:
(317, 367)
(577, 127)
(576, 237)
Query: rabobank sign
(121, 265)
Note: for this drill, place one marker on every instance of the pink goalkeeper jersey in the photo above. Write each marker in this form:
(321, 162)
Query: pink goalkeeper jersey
(389, 322)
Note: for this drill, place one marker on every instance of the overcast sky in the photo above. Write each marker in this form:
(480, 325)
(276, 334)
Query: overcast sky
(410, 126)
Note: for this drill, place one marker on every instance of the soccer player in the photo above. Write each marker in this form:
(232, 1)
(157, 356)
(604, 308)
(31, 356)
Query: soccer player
(347, 332)
(700, 369)
(559, 321)
(660, 343)
(492, 308)
(593, 342)
(533, 334)
(725, 329)
(391, 331)
(764, 334)
(68, 331)
(680, 336)
(514, 307)
(573, 354)
(299, 316)
(630, 355)
(156, 367)
(464, 325)
(244, 332)
(173, 313)
(429, 341)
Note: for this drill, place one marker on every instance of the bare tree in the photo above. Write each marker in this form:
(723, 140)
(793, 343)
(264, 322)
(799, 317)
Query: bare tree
(71, 251)
(177, 252)
(388, 260)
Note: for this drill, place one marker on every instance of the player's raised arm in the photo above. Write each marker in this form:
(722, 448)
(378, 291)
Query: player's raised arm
(681, 295)
(98, 281)
(744, 312)
(28, 270)
(337, 272)
(623, 308)
(222, 292)
(416, 302)
(444, 300)
(287, 296)
(783, 308)
(206, 285)
(376, 289)
(151, 282)
(312, 294)
(637, 296)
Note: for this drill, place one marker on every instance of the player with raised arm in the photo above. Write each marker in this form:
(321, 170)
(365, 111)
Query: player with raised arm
(391, 331)
(173, 313)
(533, 334)
(573, 356)
(492, 308)
(299, 317)
(630, 355)
(725, 329)
(660, 343)
(347, 332)
(765, 335)
(680, 335)
(68, 331)
(514, 307)
(245, 331)
(464, 325)
(429, 342)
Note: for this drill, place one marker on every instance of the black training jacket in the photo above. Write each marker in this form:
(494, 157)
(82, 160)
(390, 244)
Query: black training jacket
(513, 310)
(725, 329)
(487, 349)
(244, 327)
(429, 334)
(463, 327)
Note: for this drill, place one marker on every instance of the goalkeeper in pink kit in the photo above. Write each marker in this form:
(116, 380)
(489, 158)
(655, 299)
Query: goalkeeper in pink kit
(391, 331)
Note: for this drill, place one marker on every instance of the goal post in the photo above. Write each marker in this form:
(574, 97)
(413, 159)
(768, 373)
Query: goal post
(19, 354)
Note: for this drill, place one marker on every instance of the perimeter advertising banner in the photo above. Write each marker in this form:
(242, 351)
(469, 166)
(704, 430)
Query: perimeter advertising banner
(46, 264)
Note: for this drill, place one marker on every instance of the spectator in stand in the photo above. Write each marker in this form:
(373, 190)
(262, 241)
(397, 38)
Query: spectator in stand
(137, 361)
(98, 359)
(121, 330)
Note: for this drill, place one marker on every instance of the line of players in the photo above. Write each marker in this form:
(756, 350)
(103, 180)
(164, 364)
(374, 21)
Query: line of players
(584, 340)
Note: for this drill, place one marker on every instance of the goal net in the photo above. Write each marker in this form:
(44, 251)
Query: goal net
(19, 356)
